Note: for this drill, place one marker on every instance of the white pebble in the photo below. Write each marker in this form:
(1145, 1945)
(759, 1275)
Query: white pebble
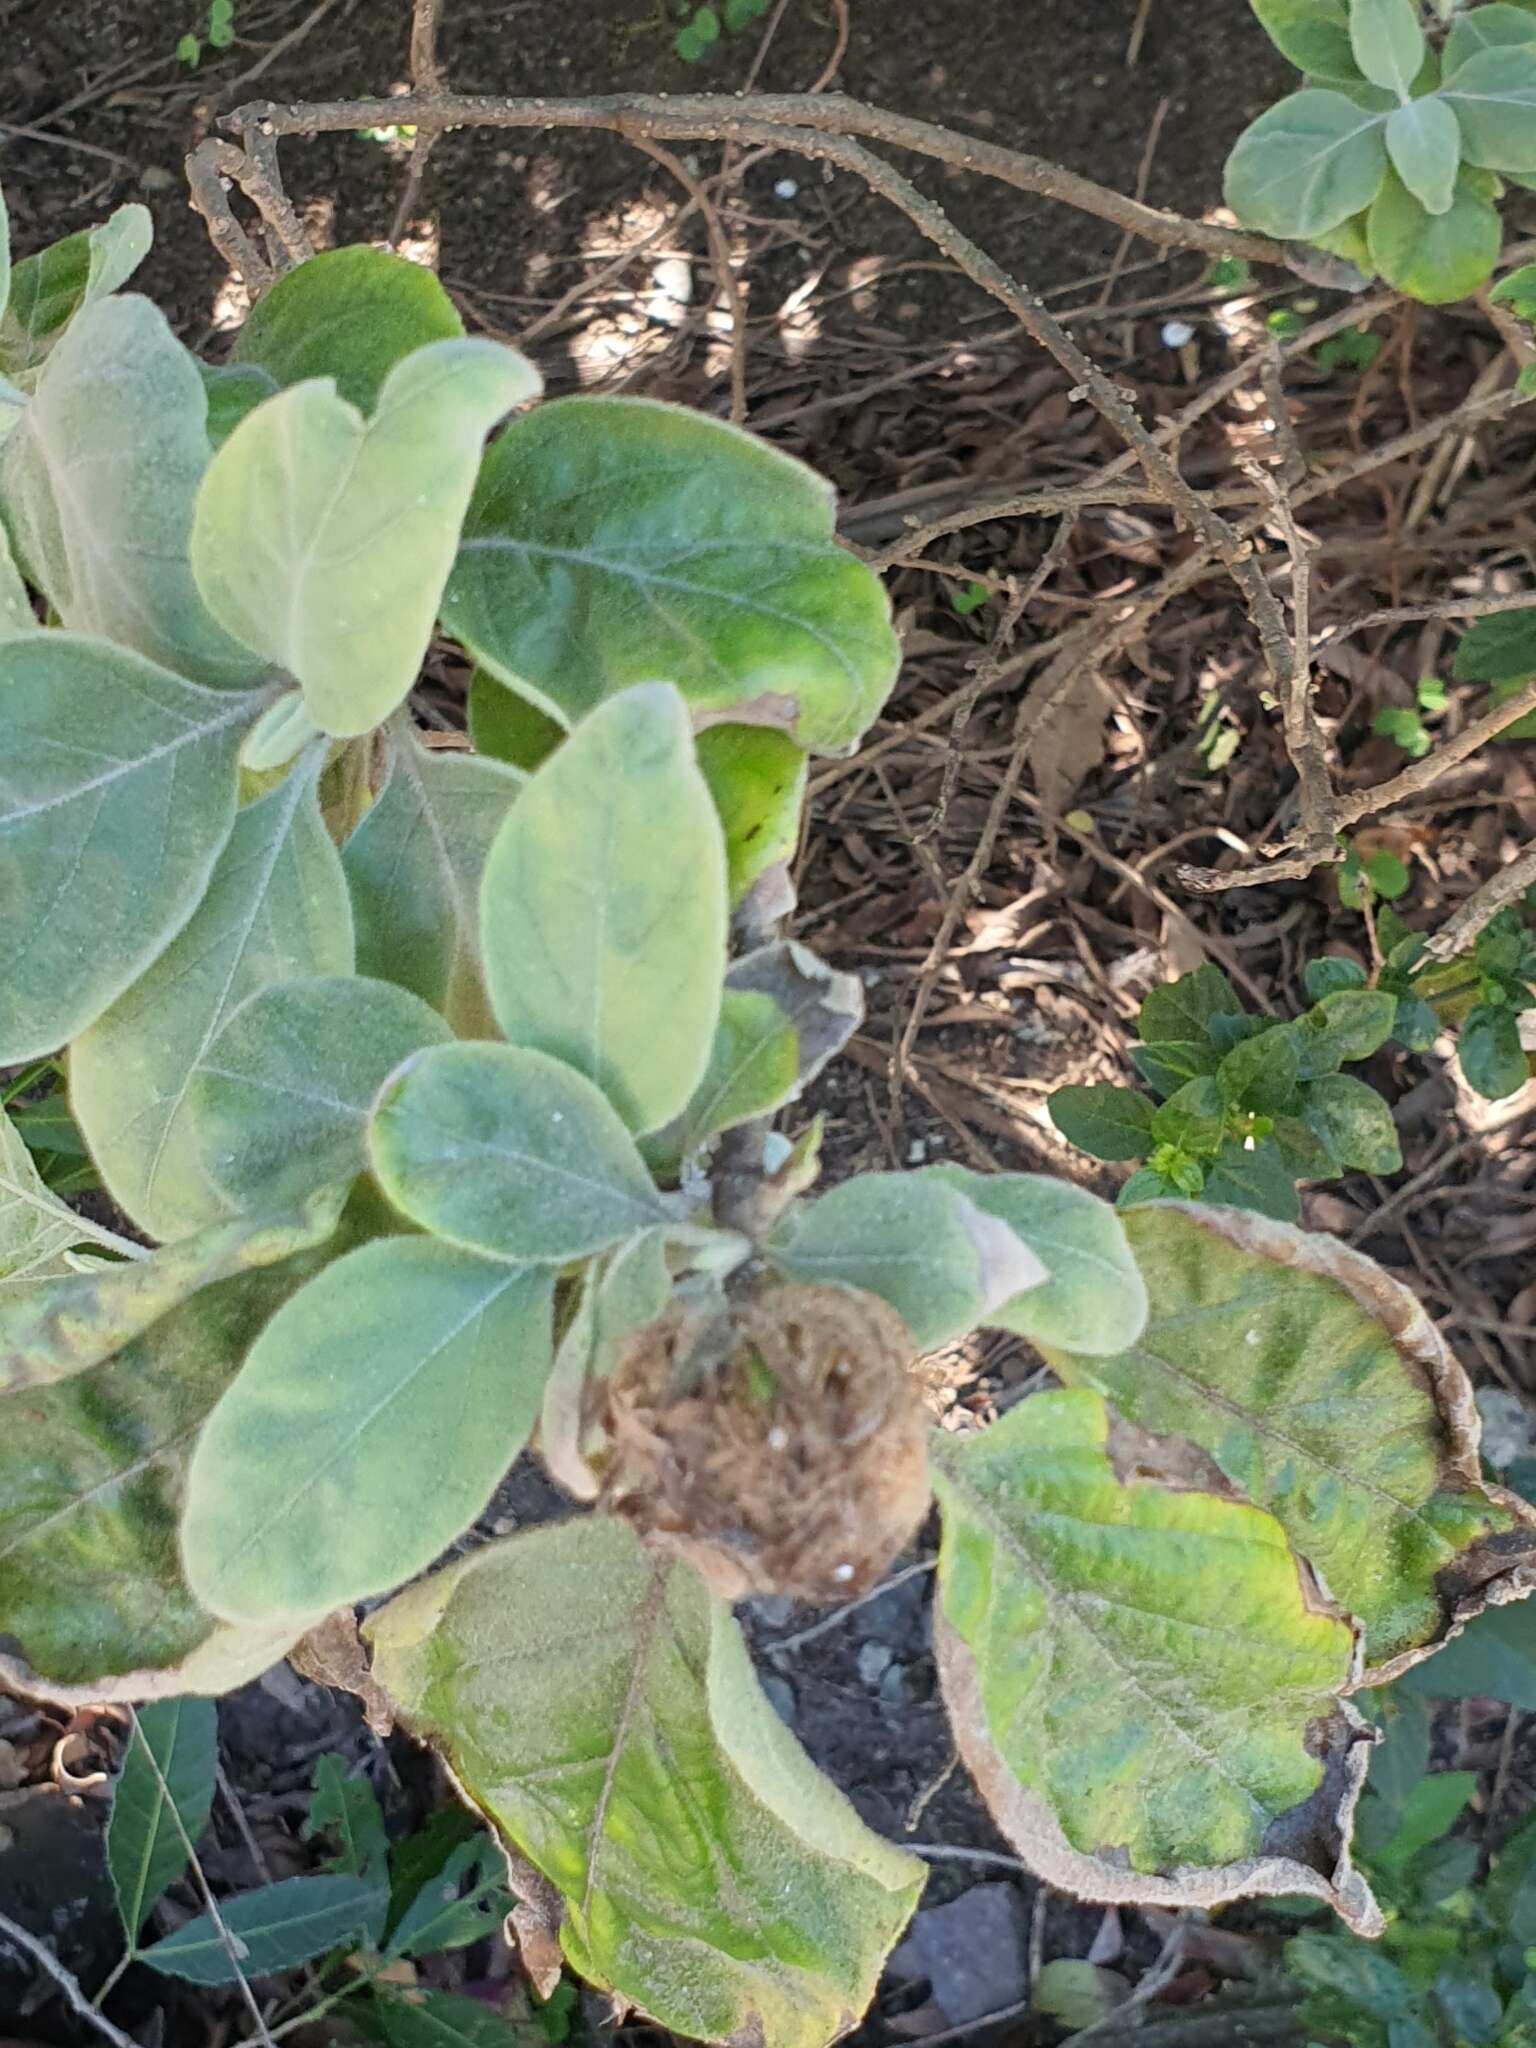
(1176, 333)
(786, 188)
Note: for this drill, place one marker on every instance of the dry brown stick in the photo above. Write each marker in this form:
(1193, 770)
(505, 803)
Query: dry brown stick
(74, 1997)
(1483, 906)
(210, 169)
(834, 63)
(720, 258)
(1417, 614)
(1143, 175)
(687, 117)
(427, 77)
(282, 46)
(1304, 740)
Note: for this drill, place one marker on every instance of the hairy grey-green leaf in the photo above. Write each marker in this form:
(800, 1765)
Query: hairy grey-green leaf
(1307, 165)
(49, 289)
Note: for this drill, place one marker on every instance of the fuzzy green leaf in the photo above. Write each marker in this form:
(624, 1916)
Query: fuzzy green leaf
(1434, 258)
(1342, 1027)
(276, 908)
(167, 1775)
(1306, 1373)
(1181, 1011)
(1493, 96)
(1492, 1057)
(1171, 1063)
(1331, 973)
(73, 1321)
(1306, 165)
(757, 778)
(350, 314)
(407, 1371)
(36, 1228)
(506, 726)
(1092, 1298)
(1424, 143)
(509, 1152)
(233, 390)
(414, 866)
(91, 1585)
(1499, 649)
(1311, 34)
(99, 867)
(1493, 26)
(943, 1263)
(1353, 1122)
(274, 1929)
(598, 1704)
(1388, 42)
(50, 289)
(603, 909)
(322, 540)
(612, 540)
(1147, 1659)
(1104, 1121)
(1253, 1177)
(16, 613)
(1261, 1073)
(98, 482)
(280, 1100)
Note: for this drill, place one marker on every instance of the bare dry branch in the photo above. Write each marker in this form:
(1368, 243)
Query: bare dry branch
(1483, 906)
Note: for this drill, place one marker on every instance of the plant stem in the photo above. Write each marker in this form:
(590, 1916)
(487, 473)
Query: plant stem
(74, 1997)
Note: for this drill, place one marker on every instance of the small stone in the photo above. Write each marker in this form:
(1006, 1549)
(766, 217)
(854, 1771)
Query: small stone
(1177, 333)
(786, 188)
(972, 1952)
(772, 1610)
(917, 1152)
(155, 178)
(873, 1661)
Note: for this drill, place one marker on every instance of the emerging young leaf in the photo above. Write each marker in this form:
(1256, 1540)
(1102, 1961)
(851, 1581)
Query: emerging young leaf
(414, 867)
(90, 1495)
(407, 1372)
(1092, 1298)
(612, 540)
(73, 1321)
(603, 911)
(1435, 258)
(167, 1775)
(1493, 96)
(96, 741)
(757, 778)
(97, 484)
(509, 1152)
(1323, 1391)
(350, 314)
(49, 289)
(598, 1704)
(322, 540)
(1388, 42)
(1139, 1666)
(276, 908)
(1311, 34)
(280, 1100)
(1306, 165)
(273, 1929)
(1424, 143)
(942, 1262)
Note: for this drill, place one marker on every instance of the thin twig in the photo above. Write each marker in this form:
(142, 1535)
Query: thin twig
(1417, 614)
(1480, 908)
(839, 1615)
(724, 269)
(74, 1997)
(427, 77)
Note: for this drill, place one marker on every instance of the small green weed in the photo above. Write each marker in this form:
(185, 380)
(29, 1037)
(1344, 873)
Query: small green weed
(217, 33)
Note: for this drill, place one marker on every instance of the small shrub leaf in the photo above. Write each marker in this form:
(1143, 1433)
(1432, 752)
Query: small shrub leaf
(631, 1761)
(1493, 96)
(1306, 165)
(104, 738)
(273, 1929)
(1311, 34)
(1498, 649)
(1493, 26)
(1354, 1123)
(350, 314)
(509, 1152)
(1170, 1732)
(1171, 1063)
(276, 907)
(444, 1914)
(37, 1230)
(603, 909)
(322, 540)
(167, 1773)
(50, 289)
(1424, 143)
(1323, 1391)
(613, 540)
(939, 1260)
(1182, 1010)
(1492, 1057)
(347, 1810)
(1253, 1177)
(1388, 42)
(1434, 258)
(757, 778)
(1345, 1026)
(1092, 1298)
(281, 1098)
(408, 1371)
(1261, 1073)
(1106, 1122)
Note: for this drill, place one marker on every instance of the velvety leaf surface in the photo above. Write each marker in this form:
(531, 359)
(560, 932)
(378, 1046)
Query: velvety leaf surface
(281, 1098)
(71, 1321)
(167, 1774)
(322, 540)
(1437, 257)
(940, 1261)
(97, 484)
(509, 1152)
(90, 1493)
(1146, 1658)
(1311, 34)
(603, 910)
(99, 868)
(1424, 143)
(1306, 165)
(276, 909)
(1093, 1297)
(367, 1428)
(757, 778)
(16, 613)
(1323, 1392)
(47, 290)
(612, 540)
(414, 867)
(600, 1707)
(1388, 42)
(36, 1228)
(274, 1929)
(351, 314)
(1493, 96)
